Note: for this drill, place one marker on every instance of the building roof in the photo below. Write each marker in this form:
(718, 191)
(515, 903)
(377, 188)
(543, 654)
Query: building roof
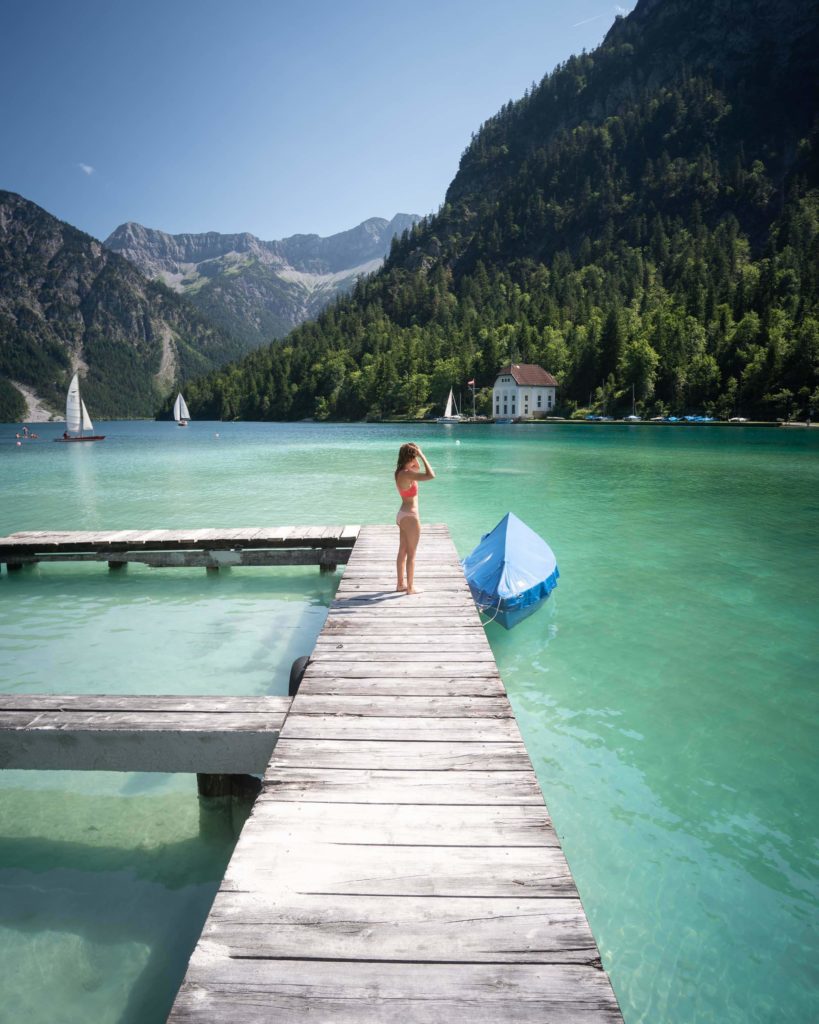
(528, 375)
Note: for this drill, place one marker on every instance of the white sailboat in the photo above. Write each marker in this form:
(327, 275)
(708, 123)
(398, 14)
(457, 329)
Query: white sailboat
(77, 420)
(451, 414)
(180, 411)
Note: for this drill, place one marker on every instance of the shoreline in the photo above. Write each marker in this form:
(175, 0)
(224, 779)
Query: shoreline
(468, 422)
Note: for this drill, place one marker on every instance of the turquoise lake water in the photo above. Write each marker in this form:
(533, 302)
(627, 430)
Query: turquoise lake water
(666, 692)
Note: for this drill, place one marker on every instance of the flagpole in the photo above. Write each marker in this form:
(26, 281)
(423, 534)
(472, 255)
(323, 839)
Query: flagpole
(471, 384)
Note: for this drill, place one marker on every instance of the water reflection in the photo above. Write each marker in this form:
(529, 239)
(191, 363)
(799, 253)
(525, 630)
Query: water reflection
(102, 898)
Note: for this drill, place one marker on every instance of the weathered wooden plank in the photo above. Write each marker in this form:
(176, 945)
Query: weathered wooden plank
(222, 990)
(415, 686)
(374, 624)
(34, 542)
(398, 670)
(385, 583)
(400, 824)
(410, 652)
(215, 557)
(334, 727)
(402, 929)
(405, 706)
(484, 871)
(368, 642)
(377, 755)
(437, 565)
(72, 720)
(391, 600)
(380, 786)
(169, 703)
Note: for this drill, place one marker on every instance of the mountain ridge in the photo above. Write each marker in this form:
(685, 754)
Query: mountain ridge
(67, 303)
(259, 290)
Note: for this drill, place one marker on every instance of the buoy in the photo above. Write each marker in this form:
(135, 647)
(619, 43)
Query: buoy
(457, 442)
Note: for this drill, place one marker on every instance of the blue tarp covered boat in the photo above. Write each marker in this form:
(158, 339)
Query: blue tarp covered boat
(511, 572)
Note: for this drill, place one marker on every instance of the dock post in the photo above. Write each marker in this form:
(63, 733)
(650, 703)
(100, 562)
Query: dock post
(116, 565)
(328, 561)
(225, 802)
(227, 785)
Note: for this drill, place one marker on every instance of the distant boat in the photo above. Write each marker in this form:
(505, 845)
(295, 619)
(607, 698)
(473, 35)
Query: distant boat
(77, 420)
(511, 572)
(451, 414)
(180, 411)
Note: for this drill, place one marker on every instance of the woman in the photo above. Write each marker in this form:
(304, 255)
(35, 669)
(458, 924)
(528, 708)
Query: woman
(407, 475)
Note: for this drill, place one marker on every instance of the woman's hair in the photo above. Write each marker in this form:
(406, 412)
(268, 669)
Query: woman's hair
(406, 453)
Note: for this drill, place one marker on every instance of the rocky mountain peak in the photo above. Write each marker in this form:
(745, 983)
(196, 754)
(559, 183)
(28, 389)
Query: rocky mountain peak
(259, 290)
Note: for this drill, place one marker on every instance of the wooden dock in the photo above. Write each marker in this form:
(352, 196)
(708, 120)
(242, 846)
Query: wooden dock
(325, 546)
(205, 735)
(399, 864)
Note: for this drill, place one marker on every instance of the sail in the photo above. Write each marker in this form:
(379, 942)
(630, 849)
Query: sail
(180, 408)
(73, 410)
(86, 419)
(449, 403)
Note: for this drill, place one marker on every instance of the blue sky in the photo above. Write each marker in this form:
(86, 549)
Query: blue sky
(263, 115)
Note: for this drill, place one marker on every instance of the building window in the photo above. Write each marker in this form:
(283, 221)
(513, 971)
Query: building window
(549, 403)
(539, 400)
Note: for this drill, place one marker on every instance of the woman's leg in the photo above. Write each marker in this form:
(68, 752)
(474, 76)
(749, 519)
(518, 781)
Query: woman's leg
(401, 560)
(410, 535)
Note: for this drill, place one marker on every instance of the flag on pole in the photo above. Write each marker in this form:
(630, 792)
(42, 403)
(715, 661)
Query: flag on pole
(470, 383)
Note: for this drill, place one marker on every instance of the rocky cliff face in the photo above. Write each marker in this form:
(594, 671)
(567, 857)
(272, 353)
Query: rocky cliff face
(68, 303)
(259, 290)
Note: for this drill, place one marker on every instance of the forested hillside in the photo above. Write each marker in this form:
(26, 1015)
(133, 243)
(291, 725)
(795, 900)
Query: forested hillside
(646, 217)
(67, 303)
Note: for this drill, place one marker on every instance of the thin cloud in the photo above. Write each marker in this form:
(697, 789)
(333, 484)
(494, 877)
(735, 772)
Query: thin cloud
(86, 169)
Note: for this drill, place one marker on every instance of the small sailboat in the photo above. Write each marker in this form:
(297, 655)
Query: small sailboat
(511, 572)
(77, 420)
(451, 414)
(180, 411)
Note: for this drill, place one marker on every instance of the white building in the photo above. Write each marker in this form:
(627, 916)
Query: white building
(523, 389)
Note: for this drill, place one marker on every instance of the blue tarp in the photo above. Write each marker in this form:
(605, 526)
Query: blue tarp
(511, 571)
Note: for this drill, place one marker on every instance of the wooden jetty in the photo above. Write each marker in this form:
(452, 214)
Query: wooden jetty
(325, 546)
(399, 864)
(88, 732)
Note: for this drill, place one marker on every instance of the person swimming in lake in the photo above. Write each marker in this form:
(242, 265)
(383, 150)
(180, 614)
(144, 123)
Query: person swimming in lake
(407, 475)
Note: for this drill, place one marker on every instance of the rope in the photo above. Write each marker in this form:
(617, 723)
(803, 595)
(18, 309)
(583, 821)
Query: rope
(497, 609)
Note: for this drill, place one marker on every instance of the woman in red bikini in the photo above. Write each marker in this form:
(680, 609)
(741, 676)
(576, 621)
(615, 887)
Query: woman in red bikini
(407, 475)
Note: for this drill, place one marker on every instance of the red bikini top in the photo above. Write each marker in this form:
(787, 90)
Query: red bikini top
(411, 492)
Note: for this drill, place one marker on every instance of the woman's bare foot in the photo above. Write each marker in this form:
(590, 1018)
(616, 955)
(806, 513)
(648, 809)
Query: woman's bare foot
(412, 590)
(401, 586)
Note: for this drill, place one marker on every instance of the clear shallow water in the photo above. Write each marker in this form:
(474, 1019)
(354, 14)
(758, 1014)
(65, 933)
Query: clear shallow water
(666, 693)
